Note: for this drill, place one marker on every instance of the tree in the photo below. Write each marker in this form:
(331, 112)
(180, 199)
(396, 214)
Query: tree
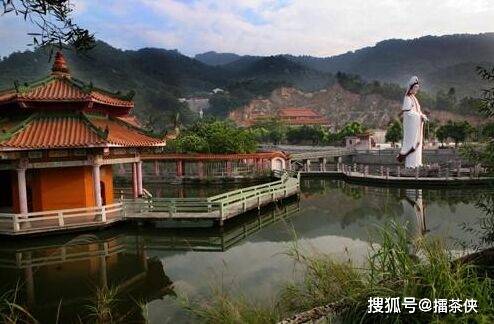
(484, 154)
(316, 134)
(214, 136)
(190, 143)
(488, 131)
(351, 129)
(457, 131)
(394, 132)
(277, 130)
(54, 22)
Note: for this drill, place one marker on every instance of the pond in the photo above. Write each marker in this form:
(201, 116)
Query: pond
(155, 266)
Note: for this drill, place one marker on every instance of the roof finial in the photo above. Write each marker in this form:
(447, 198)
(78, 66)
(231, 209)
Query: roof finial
(60, 66)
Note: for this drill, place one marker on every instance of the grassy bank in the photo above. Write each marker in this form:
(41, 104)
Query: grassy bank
(397, 267)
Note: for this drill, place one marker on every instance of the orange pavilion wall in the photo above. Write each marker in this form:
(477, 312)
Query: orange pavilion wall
(63, 188)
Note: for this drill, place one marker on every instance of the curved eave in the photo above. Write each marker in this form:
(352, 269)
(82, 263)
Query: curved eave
(105, 145)
(20, 100)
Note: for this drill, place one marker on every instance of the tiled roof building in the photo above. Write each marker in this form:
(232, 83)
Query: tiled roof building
(58, 140)
(302, 116)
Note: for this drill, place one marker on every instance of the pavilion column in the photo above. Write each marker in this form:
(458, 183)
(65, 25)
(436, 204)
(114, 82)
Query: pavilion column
(156, 168)
(322, 164)
(97, 185)
(261, 164)
(200, 169)
(180, 168)
(135, 191)
(229, 168)
(21, 184)
(140, 191)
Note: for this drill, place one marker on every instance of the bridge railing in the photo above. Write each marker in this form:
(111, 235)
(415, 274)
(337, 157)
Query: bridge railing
(336, 152)
(59, 219)
(217, 206)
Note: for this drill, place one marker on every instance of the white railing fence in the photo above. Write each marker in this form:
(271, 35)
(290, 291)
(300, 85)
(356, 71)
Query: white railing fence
(59, 219)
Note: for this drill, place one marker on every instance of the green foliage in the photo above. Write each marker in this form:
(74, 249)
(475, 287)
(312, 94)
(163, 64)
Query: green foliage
(351, 129)
(224, 308)
(239, 93)
(54, 22)
(271, 130)
(394, 133)
(457, 131)
(314, 134)
(487, 131)
(484, 153)
(222, 103)
(189, 143)
(214, 136)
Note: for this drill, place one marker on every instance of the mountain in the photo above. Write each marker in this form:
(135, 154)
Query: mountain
(215, 58)
(279, 68)
(440, 61)
(160, 77)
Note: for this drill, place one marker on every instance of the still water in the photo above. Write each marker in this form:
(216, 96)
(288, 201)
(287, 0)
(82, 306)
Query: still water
(153, 266)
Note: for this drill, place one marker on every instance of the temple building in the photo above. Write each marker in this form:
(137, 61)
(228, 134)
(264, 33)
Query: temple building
(302, 116)
(259, 110)
(59, 138)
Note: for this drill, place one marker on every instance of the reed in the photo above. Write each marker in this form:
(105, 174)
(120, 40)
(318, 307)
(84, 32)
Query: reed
(397, 266)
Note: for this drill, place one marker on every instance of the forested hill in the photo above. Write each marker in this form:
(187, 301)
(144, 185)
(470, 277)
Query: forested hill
(159, 77)
(441, 62)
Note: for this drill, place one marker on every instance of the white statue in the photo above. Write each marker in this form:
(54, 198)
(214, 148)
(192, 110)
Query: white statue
(413, 127)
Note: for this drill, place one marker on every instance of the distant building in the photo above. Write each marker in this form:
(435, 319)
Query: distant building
(217, 90)
(302, 116)
(364, 141)
(261, 109)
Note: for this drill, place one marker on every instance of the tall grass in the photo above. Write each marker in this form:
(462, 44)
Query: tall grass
(223, 307)
(396, 267)
(11, 311)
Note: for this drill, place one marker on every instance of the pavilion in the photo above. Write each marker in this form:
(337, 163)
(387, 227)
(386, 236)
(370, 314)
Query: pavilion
(59, 138)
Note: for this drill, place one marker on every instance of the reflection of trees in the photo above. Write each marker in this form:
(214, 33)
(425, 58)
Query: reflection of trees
(482, 228)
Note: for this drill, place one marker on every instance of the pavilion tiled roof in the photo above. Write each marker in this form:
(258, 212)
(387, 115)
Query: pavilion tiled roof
(47, 131)
(122, 134)
(54, 132)
(56, 89)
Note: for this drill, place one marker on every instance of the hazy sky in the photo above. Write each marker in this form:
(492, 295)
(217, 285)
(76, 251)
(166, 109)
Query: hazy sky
(314, 27)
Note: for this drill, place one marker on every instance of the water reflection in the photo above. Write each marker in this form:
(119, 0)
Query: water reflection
(70, 270)
(153, 264)
(52, 271)
(414, 211)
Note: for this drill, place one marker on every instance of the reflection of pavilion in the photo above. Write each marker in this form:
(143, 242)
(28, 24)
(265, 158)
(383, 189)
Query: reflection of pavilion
(217, 239)
(71, 273)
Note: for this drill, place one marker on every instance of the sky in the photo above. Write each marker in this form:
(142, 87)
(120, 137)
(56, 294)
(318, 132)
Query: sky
(262, 27)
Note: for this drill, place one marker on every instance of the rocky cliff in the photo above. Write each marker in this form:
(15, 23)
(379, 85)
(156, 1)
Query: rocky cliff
(339, 105)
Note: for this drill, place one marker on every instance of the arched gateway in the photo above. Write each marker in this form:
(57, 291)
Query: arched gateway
(58, 140)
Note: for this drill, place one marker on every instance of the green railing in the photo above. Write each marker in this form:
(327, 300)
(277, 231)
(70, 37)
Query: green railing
(220, 206)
